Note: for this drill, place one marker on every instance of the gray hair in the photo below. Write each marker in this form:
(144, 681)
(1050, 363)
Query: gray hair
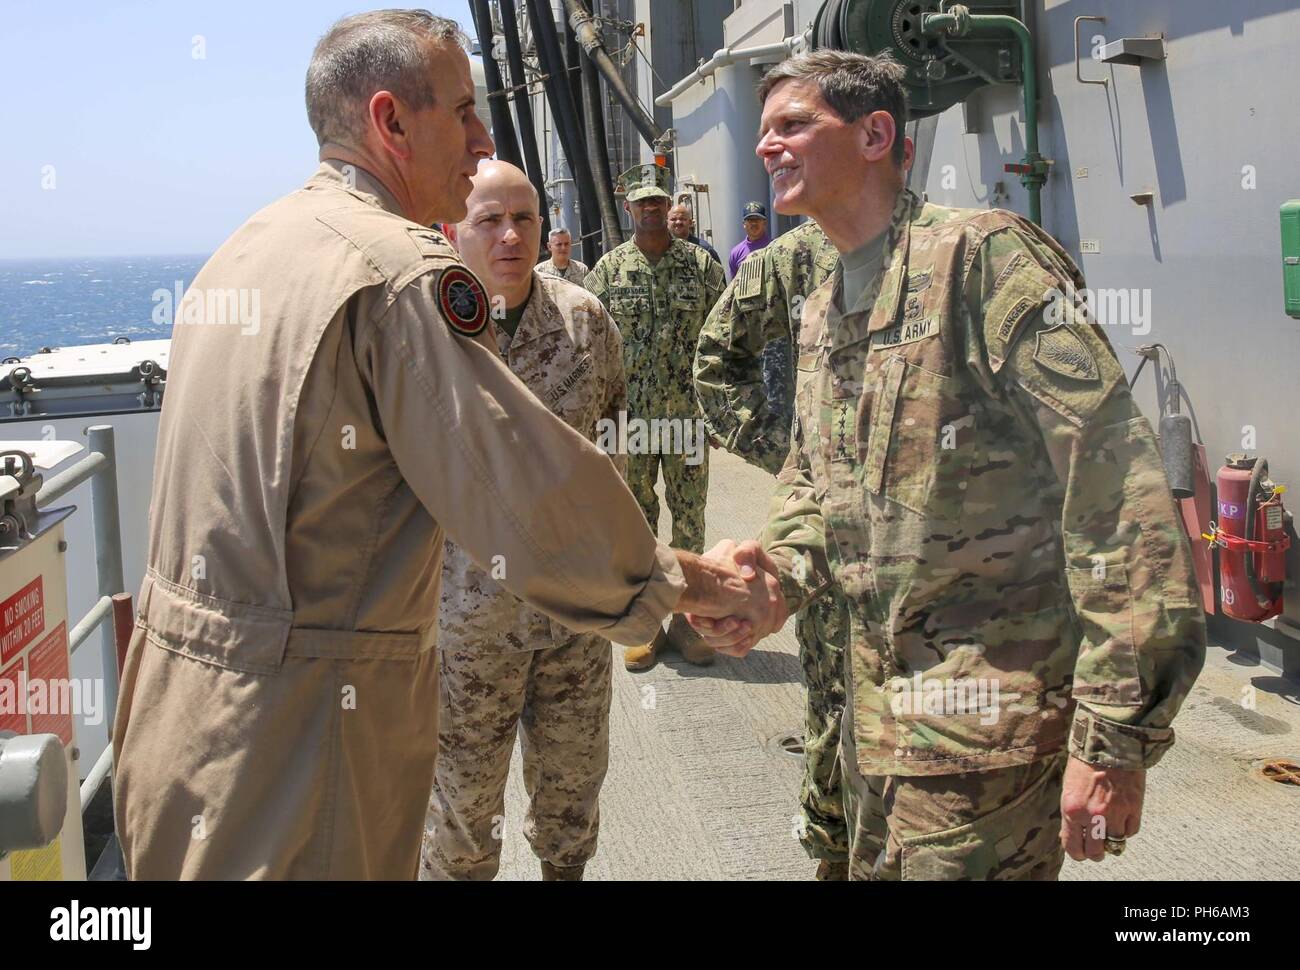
(376, 51)
(558, 231)
(853, 85)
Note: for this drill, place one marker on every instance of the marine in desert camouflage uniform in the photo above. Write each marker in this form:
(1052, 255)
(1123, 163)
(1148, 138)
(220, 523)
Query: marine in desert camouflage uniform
(504, 667)
(969, 468)
(747, 407)
(659, 290)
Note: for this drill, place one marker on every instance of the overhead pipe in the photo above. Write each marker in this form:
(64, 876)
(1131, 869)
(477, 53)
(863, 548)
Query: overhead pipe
(503, 129)
(566, 117)
(524, 109)
(958, 21)
(722, 58)
(594, 119)
(584, 26)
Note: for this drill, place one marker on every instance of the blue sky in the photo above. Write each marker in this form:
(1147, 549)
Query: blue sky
(150, 149)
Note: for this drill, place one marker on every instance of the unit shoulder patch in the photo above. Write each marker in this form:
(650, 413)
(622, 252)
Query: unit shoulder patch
(1060, 350)
(462, 300)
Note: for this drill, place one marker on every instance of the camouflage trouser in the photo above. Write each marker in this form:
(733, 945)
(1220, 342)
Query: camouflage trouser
(558, 698)
(999, 824)
(822, 629)
(686, 488)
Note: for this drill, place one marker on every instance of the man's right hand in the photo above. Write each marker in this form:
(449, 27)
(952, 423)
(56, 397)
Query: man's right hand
(731, 619)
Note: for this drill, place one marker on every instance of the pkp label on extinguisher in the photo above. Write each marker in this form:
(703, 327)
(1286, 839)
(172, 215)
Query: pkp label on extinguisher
(1230, 510)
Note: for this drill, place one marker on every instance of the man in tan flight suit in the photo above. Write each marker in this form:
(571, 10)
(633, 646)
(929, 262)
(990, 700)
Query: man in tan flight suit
(277, 715)
(504, 667)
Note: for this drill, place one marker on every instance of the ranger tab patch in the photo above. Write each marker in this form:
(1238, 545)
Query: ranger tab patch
(1060, 350)
(462, 300)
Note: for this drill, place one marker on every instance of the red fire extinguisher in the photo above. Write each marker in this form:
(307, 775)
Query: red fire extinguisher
(1252, 538)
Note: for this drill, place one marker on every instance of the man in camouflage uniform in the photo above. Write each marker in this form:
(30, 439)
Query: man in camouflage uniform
(503, 666)
(969, 468)
(749, 414)
(659, 290)
(562, 263)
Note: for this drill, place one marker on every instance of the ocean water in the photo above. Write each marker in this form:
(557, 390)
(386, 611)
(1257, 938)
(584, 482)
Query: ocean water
(67, 302)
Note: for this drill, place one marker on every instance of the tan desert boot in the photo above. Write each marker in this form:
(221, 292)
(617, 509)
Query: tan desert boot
(645, 656)
(552, 873)
(689, 643)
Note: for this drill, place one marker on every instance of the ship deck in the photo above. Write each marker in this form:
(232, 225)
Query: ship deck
(699, 788)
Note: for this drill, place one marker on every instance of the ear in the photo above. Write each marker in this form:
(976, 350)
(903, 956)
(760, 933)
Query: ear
(385, 116)
(876, 134)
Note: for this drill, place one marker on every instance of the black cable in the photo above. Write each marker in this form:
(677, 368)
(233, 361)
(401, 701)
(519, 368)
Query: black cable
(595, 125)
(589, 38)
(503, 129)
(524, 110)
(566, 115)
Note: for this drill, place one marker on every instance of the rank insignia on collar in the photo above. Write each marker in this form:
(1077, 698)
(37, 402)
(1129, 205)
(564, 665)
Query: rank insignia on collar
(462, 300)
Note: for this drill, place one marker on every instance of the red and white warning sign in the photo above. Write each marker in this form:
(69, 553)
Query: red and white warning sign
(22, 619)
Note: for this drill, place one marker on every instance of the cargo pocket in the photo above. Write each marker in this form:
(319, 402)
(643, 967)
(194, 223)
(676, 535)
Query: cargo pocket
(1019, 841)
(917, 453)
(1107, 670)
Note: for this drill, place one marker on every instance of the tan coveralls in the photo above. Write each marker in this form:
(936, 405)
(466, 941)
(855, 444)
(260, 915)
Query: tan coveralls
(276, 716)
(504, 668)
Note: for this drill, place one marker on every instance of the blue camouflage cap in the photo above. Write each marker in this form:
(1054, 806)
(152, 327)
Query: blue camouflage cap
(753, 210)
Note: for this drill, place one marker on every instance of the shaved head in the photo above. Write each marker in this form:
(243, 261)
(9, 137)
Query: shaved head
(495, 176)
(502, 230)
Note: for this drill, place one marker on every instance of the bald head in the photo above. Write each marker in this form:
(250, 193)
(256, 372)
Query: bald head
(680, 222)
(502, 230)
(495, 177)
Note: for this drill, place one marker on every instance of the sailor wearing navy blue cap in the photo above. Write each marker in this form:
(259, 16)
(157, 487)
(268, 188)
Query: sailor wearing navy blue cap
(754, 216)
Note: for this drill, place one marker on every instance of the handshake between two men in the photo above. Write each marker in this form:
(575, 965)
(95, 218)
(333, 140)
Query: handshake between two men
(733, 596)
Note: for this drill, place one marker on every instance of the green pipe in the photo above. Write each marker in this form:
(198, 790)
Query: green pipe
(962, 22)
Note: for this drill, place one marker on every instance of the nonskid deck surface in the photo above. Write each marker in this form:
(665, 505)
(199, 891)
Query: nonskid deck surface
(698, 788)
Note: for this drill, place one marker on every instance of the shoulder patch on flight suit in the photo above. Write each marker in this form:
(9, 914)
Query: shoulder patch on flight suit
(462, 300)
(749, 281)
(1060, 350)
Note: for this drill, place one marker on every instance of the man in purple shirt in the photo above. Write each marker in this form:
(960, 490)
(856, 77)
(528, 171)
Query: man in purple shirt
(754, 215)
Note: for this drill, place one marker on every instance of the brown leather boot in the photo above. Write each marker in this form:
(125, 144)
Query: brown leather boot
(689, 643)
(832, 870)
(646, 655)
(552, 873)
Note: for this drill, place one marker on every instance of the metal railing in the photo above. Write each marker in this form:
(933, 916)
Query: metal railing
(100, 468)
